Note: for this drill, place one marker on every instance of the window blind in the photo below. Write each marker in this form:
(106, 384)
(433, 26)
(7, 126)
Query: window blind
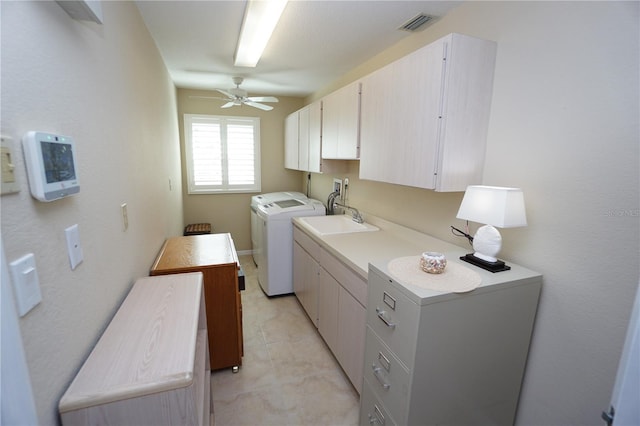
(222, 153)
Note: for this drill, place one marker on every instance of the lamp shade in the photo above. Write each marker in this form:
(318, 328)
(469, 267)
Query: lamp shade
(493, 205)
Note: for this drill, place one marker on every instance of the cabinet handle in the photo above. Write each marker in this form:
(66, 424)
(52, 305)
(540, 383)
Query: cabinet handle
(384, 361)
(377, 416)
(384, 320)
(376, 373)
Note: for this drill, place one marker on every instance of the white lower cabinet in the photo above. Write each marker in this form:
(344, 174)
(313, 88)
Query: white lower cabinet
(338, 296)
(306, 274)
(447, 358)
(151, 364)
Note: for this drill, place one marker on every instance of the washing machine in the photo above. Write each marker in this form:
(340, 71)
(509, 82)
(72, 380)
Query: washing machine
(256, 200)
(275, 260)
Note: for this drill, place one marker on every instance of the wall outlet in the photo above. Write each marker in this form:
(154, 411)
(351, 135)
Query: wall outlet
(337, 185)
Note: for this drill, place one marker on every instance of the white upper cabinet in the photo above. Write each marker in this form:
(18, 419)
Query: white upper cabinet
(291, 125)
(341, 123)
(302, 139)
(424, 117)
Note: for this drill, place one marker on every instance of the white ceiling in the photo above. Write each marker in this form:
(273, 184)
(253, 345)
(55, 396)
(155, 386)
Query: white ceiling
(314, 43)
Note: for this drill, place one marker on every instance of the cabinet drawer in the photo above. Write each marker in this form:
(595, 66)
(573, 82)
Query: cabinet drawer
(393, 317)
(306, 243)
(372, 411)
(345, 276)
(386, 375)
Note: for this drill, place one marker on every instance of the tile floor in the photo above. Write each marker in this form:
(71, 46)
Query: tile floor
(288, 375)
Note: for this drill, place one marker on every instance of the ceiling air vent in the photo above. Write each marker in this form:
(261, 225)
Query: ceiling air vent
(417, 23)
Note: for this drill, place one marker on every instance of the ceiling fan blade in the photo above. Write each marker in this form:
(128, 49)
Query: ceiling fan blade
(257, 105)
(228, 104)
(227, 94)
(262, 99)
(207, 97)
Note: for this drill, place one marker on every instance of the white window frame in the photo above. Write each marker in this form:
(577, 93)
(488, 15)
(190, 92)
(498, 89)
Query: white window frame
(223, 120)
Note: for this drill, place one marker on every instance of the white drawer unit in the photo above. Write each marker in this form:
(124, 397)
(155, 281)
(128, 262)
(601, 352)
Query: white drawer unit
(435, 357)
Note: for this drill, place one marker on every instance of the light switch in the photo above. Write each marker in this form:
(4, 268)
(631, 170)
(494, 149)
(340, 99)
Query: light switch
(25, 283)
(73, 246)
(9, 182)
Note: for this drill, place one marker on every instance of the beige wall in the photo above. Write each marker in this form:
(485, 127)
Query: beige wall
(230, 212)
(107, 87)
(564, 127)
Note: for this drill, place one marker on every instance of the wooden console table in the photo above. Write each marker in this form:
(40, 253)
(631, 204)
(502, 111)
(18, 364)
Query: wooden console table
(215, 256)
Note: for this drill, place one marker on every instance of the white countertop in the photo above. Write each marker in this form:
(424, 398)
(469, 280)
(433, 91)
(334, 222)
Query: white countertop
(358, 249)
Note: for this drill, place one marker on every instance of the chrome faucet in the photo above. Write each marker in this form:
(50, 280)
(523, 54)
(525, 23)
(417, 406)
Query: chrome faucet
(331, 201)
(355, 214)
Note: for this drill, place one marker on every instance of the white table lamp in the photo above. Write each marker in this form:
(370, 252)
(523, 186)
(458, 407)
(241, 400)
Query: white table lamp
(496, 207)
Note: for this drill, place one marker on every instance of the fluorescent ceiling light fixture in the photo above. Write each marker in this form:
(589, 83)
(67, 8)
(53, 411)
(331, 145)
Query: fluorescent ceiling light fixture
(260, 19)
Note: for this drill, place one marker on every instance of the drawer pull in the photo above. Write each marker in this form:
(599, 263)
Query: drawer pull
(384, 361)
(377, 416)
(376, 373)
(381, 314)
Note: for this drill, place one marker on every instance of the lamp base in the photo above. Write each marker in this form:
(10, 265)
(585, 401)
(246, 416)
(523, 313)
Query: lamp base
(497, 266)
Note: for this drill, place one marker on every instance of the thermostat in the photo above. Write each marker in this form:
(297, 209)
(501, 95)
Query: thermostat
(51, 165)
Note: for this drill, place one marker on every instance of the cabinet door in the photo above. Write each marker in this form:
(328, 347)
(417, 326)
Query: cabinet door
(291, 141)
(312, 278)
(400, 119)
(328, 296)
(298, 271)
(315, 137)
(305, 281)
(303, 139)
(352, 317)
(341, 123)
(466, 108)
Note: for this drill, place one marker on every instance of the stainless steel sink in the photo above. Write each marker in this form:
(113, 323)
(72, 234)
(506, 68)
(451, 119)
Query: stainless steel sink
(337, 224)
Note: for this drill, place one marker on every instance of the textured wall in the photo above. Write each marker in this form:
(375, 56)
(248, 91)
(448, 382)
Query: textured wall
(564, 127)
(106, 86)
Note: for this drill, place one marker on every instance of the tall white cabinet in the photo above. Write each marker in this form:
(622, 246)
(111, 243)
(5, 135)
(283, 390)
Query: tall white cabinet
(445, 358)
(424, 117)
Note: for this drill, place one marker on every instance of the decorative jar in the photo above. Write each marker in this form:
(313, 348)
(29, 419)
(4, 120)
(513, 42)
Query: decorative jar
(433, 262)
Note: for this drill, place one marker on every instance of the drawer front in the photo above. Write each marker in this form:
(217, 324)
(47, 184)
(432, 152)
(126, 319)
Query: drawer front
(306, 243)
(386, 375)
(393, 317)
(372, 411)
(348, 279)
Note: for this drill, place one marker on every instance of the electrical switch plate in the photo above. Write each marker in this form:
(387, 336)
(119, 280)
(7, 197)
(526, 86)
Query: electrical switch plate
(73, 245)
(25, 283)
(9, 181)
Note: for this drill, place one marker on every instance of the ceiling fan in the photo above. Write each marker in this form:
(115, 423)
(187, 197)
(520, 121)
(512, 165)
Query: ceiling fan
(238, 96)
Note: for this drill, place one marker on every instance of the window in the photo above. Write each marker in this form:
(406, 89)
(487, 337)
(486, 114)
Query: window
(223, 154)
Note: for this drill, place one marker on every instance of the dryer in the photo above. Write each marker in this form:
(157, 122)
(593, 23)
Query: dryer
(256, 200)
(275, 260)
